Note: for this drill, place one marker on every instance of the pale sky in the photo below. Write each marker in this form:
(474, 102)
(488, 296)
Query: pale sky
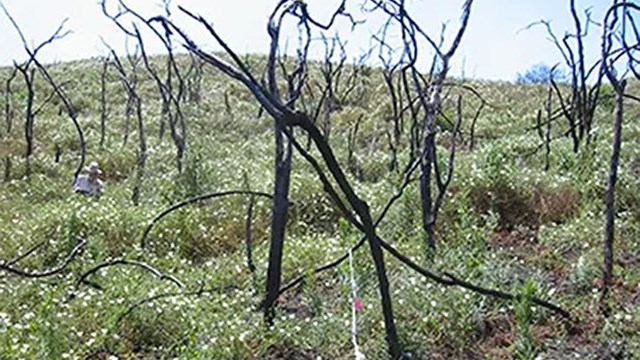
(494, 46)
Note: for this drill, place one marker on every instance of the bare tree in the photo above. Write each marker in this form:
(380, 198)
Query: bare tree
(130, 83)
(28, 73)
(285, 118)
(71, 112)
(172, 95)
(331, 71)
(193, 79)
(429, 95)
(393, 83)
(136, 103)
(579, 106)
(619, 28)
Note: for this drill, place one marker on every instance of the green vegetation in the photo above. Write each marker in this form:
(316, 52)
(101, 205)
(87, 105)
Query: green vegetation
(505, 224)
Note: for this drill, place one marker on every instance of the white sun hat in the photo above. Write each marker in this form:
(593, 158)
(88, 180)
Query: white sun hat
(94, 168)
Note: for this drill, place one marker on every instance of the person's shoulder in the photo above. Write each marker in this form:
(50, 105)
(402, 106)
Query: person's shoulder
(81, 179)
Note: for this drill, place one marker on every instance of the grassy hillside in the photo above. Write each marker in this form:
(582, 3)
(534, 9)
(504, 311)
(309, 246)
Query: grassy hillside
(506, 224)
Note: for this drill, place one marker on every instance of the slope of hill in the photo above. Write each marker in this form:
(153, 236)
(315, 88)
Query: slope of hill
(506, 223)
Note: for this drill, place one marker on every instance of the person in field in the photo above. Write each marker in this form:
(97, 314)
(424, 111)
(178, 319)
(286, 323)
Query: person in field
(90, 184)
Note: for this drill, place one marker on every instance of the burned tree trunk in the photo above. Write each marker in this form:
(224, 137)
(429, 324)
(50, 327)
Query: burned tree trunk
(8, 102)
(282, 167)
(429, 92)
(9, 114)
(129, 83)
(103, 101)
(279, 217)
(353, 163)
(71, 112)
(472, 129)
(578, 108)
(331, 74)
(142, 154)
(607, 273)
(426, 198)
(248, 238)
(130, 86)
(615, 32)
(547, 134)
(193, 80)
(177, 123)
(29, 75)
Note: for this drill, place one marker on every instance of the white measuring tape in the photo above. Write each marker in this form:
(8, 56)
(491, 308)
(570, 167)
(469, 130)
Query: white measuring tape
(356, 305)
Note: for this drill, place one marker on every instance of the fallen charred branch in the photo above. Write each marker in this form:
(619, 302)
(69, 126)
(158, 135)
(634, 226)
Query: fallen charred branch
(84, 278)
(193, 200)
(8, 266)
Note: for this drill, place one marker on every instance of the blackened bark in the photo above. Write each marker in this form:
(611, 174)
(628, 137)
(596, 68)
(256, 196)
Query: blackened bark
(227, 108)
(8, 103)
(132, 83)
(279, 220)
(8, 113)
(71, 111)
(248, 239)
(472, 130)
(58, 153)
(29, 117)
(547, 135)
(426, 197)
(142, 153)
(103, 101)
(285, 113)
(194, 79)
(393, 163)
(362, 209)
(352, 161)
(7, 168)
(128, 110)
(607, 273)
(579, 107)
(129, 81)
(539, 125)
(582, 103)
